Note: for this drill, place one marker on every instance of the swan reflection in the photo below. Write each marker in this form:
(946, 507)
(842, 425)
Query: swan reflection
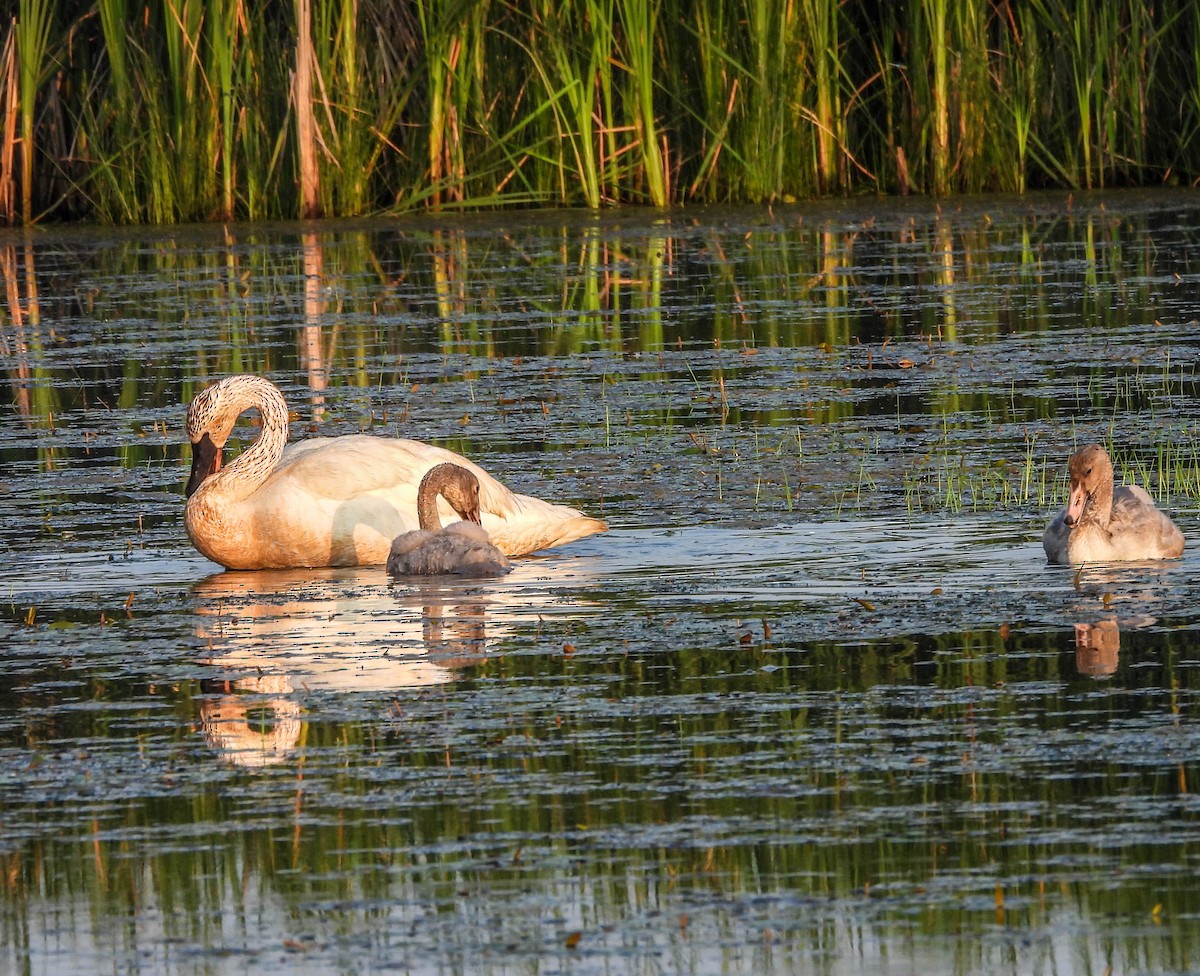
(344, 630)
(251, 721)
(273, 636)
(276, 635)
(1097, 648)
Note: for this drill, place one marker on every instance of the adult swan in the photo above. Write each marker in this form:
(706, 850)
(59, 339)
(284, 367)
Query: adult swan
(331, 501)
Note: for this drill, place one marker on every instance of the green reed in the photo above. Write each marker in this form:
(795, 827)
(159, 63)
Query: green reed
(32, 36)
(577, 81)
(639, 20)
(822, 23)
(223, 58)
(931, 17)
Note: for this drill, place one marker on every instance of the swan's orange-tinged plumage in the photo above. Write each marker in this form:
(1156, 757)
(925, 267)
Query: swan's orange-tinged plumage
(335, 501)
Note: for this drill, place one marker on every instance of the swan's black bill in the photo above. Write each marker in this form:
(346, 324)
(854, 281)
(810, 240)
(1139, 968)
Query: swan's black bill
(206, 459)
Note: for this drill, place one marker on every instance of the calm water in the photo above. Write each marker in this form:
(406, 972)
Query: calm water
(815, 704)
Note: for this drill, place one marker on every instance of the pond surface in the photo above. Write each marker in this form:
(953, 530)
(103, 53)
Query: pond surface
(814, 704)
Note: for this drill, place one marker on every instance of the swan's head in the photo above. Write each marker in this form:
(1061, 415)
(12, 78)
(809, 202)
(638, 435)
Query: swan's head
(458, 486)
(1091, 469)
(213, 412)
(204, 432)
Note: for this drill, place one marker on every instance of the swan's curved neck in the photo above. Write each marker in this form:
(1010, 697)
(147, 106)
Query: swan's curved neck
(1100, 503)
(252, 467)
(427, 496)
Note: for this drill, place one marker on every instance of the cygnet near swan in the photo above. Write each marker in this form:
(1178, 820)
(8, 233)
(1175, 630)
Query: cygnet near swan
(461, 548)
(331, 501)
(1101, 524)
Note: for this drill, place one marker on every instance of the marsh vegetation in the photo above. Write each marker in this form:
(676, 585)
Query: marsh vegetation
(145, 112)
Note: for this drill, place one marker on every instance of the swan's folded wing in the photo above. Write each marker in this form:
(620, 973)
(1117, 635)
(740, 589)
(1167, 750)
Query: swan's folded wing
(1132, 497)
(339, 468)
(1143, 527)
(1133, 510)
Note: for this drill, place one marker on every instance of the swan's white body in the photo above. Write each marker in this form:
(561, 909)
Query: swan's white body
(337, 501)
(1103, 524)
(461, 548)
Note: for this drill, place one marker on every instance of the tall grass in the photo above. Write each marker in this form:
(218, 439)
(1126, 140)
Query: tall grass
(930, 26)
(821, 23)
(223, 48)
(570, 79)
(160, 132)
(32, 36)
(199, 109)
(639, 20)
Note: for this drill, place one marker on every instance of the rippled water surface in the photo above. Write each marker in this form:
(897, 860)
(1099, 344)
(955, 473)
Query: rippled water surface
(815, 703)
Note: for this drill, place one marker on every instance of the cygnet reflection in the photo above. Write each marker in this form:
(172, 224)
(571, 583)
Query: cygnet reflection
(251, 721)
(1097, 648)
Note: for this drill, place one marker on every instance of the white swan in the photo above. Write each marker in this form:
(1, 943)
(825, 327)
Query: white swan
(461, 548)
(1101, 524)
(336, 501)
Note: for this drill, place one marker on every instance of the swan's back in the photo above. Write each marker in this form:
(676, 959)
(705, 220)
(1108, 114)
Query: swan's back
(1140, 528)
(361, 467)
(342, 468)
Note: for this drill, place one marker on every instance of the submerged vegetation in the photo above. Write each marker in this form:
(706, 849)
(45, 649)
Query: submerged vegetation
(125, 111)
